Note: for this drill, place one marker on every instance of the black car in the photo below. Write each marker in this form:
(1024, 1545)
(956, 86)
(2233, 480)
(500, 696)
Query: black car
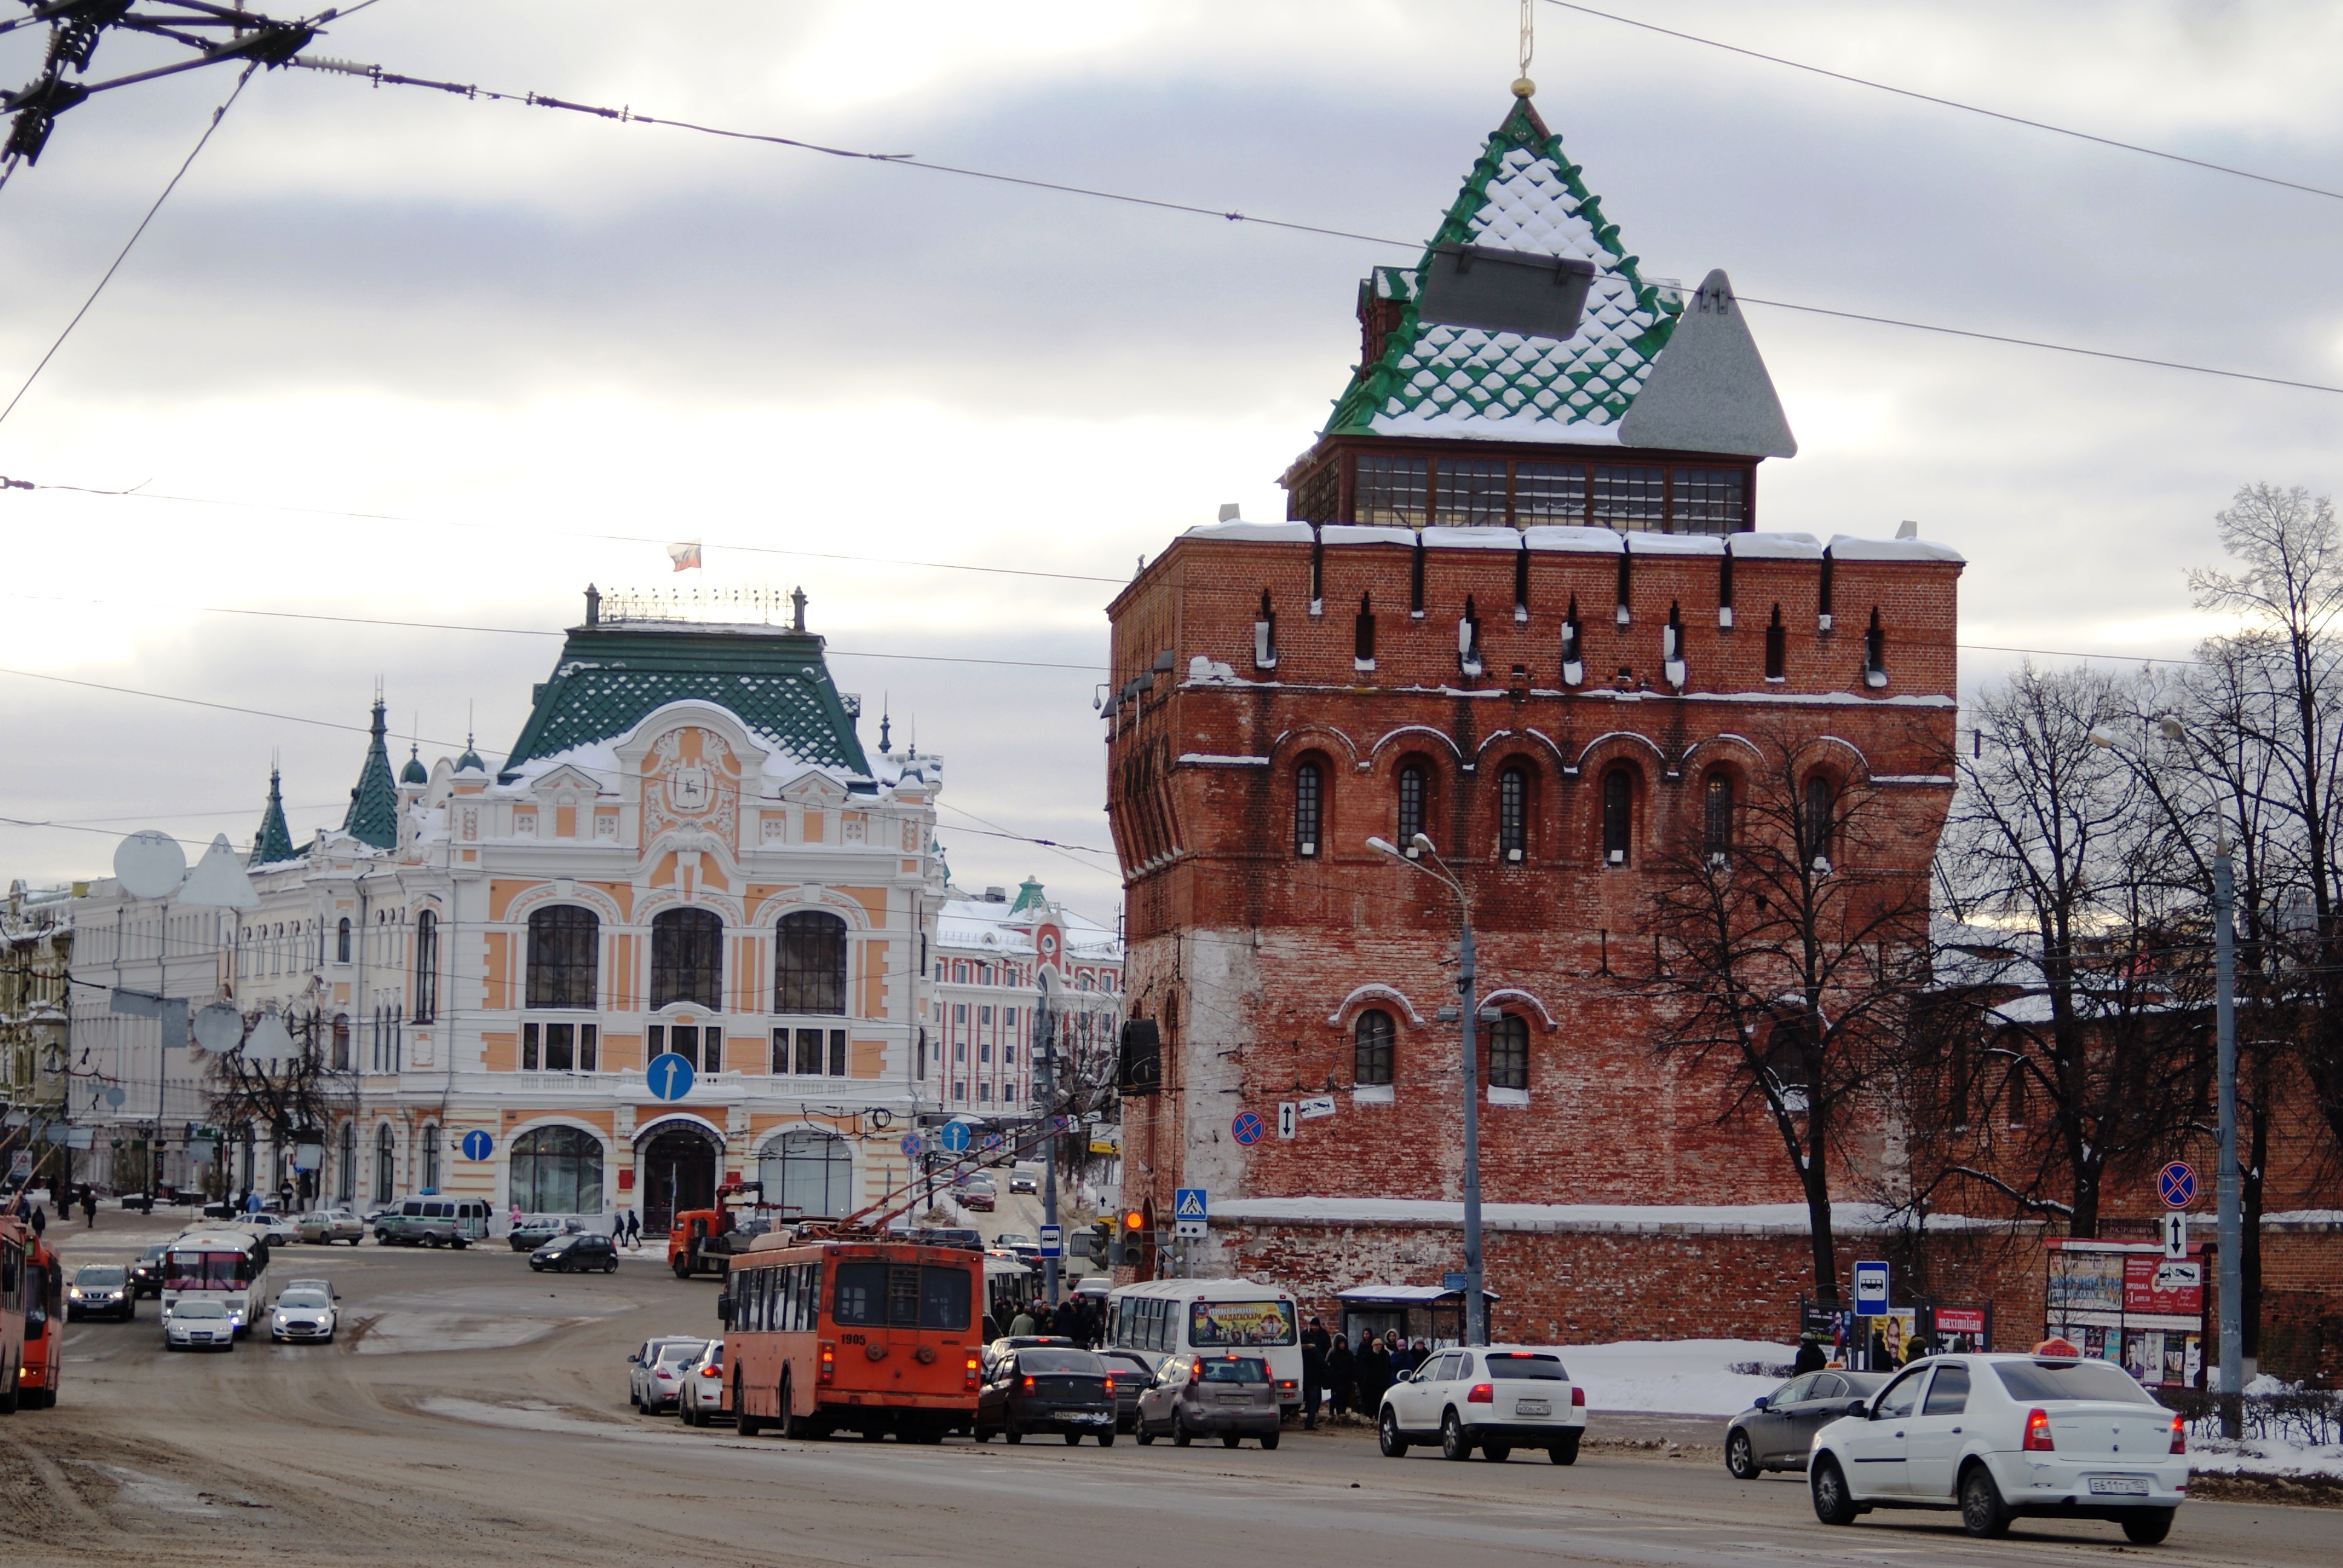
(1047, 1389)
(1776, 1433)
(147, 1273)
(575, 1253)
(101, 1290)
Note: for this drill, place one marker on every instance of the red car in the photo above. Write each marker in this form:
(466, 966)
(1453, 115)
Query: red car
(977, 1193)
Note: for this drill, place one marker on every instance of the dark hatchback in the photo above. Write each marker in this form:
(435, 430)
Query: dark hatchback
(147, 1273)
(1047, 1389)
(1776, 1433)
(1133, 1372)
(575, 1253)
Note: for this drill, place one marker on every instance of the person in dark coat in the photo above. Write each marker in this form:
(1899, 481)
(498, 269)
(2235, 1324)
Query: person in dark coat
(1342, 1377)
(1314, 1374)
(1374, 1376)
(1810, 1359)
(40, 1219)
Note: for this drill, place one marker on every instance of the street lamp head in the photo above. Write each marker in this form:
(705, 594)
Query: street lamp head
(2103, 740)
(1385, 847)
(1423, 843)
(2172, 727)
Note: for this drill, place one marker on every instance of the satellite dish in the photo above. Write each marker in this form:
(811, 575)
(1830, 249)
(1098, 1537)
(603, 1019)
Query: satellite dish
(219, 879)
(149, 864)
(219, 1028)
(115, 1096)
(269, 1041)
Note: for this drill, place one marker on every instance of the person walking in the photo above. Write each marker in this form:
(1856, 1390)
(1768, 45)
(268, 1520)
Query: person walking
(1313, 1373)
(88, 1207)
(1374, 1376)
(1342, 1378)
(40, 1219)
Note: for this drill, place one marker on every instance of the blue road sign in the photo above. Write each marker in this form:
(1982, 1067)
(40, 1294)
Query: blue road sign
(2176, 1184)
(1188, 1203)
(670, 1076)
(954, 1138)
(991, 1143)
(1455, 1282)
(1052, 1241)
(1248, 1128)
(477, 1145)
(911, 1146)
(1870, 1289)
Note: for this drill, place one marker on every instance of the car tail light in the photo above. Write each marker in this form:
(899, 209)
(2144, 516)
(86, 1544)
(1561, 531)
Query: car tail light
(1110, 1386)
(1195, 1372)
(1285, 1385)
(2037, 1433)
(1578, 1396)
(1028, 1382)
(2179, 1435)
(828, 1372)
(968, 1380)
(710, 1372)
(1483, 1393)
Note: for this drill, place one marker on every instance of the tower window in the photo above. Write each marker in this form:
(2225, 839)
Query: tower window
(1309, 801)
(1631, 500)
(1549, 493)
(1471, 493)
(1777, 649)
(1411, 805)
(1370, 1042)
(1390, 490)
(1509, 1052)
(1709, 500)
(1512, 812)
(1821, 813)
(1618, 815)
(1716, 814)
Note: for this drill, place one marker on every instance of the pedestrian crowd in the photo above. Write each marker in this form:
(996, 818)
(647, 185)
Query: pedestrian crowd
(1077, 1318)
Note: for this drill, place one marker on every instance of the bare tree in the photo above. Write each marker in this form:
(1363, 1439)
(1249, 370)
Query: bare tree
(1794, 936)
(2068, 1025)
(300, 1093)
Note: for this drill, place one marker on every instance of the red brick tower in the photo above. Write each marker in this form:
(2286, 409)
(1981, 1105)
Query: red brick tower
(1520, 607)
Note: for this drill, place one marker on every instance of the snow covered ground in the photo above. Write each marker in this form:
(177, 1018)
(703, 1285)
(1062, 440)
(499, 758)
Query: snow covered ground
(2259, 1456)
(1679, 1377)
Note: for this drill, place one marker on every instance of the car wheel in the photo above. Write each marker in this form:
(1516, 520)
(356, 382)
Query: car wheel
(1983, 1513)
(1833, 1505)
(1231, 1439)
(1146, 1438)
(610, 1264)
(1566, 1450)
(1496, 1452)
(634, 1398)
(1181, 1436)
(1740, 1459)
(1269, 1440)
(1008, 1434)
(1106, 1440)
(1394, 1446)
(1453, 1442)
(2144, 1527)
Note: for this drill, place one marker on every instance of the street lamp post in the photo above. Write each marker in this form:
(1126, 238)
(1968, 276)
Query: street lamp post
(1477, 1307)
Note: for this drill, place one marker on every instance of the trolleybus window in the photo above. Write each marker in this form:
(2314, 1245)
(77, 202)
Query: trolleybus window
(873, 1293)
(943, 1298)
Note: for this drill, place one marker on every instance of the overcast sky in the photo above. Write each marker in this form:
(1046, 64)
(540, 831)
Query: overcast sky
(513, 330)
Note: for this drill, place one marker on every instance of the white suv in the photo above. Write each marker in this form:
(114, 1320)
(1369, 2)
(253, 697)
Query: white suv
(1999, 1436)
(1497, 1399)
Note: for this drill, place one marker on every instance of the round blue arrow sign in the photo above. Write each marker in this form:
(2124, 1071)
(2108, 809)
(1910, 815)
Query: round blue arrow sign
(954, 1138)
(2176, 1184)
(1248, 1128)
(670, 1076)
(477, 1145)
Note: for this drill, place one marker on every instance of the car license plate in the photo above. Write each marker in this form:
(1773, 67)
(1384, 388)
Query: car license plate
(2119, 1486)
(1532, 1407)
(1236, 1398)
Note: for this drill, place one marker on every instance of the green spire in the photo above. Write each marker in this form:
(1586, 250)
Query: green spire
(273, 842)
(373, 816)
(1028, 895)
(470, 758)
(414, 773)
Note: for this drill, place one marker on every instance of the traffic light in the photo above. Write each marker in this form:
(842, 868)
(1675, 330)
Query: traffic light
(1131, 1240)
(1101, 1240)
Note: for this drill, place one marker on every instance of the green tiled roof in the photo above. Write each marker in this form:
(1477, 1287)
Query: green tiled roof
(1437, 380)
(776, 682)
(373, 816)
(1028, 895)
(414, 773)
(272, 841)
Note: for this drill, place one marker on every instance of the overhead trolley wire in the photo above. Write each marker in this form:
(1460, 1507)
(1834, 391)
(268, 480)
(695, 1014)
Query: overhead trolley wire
(1952, 103)
(627, 115)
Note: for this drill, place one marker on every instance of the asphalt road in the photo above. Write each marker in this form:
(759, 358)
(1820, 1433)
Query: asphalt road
(474, 1412)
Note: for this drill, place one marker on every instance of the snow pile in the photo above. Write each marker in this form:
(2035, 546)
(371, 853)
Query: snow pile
(2260, 1456)
(1679, 1377)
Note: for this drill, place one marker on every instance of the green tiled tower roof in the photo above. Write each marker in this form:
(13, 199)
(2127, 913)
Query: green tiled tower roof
(775, 681)
(414, 773)
(272, 841)
(1028, 895)
(373, 816)
(1438, 379)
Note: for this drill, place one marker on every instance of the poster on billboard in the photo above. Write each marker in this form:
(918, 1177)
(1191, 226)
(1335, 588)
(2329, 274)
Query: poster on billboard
(1236, 1324)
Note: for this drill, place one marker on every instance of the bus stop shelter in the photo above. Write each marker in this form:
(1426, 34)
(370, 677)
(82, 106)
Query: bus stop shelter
(1428, 1312)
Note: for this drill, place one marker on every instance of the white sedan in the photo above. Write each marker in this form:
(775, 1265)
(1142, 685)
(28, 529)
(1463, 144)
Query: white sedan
(2002, 1436)
(1497, 1399)
(303, 1315)
(193, 1323)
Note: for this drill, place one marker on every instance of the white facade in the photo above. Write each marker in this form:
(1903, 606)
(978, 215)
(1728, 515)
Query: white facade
(989, 956)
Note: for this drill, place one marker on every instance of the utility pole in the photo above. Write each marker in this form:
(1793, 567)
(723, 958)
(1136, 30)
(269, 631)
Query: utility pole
(1045, 1094)
(2232, 1229)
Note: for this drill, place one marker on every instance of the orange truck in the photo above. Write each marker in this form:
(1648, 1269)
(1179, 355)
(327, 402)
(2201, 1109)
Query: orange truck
(706, 1240)
(32, 1319)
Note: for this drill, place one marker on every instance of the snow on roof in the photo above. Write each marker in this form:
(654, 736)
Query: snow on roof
(1778, 547)
(1243, 530)
(1770, 1219)
(1501, 537)
(1366, 534)
(1002, 927)
(1848, 547)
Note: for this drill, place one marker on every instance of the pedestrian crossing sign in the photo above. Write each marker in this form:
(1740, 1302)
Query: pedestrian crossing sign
(1188, 1213)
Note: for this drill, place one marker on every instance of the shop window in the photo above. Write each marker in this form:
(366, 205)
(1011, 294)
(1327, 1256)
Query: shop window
(1371, 1039)
(809, 1172)
(557, 1170)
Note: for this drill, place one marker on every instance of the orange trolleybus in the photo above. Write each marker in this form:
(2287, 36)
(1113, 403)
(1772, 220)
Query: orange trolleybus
(855, 1333)
(31, 1332)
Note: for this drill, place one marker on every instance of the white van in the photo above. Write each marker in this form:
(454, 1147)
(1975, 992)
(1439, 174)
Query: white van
(1167, 1317)
(432, 1222)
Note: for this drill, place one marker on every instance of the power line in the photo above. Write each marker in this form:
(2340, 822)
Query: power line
(376, 74)
(218, 115)
(1951, 103)
(200, 702)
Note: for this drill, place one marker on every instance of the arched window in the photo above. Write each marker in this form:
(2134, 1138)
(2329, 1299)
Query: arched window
(386, 1162)
(1308, 808)
(688, 958)
(563, 952)
(1618, 815)
(1372, 1039)
(1509, 1052)
(346, 1176)
(1411, 805)
(557, 1170)
(342, 941)
(1513, 813)
(809, 964)
(427, 967)
(812, 1170)
(1716, 815)
(341, 1049)
(1822, 810)
(431, 1157)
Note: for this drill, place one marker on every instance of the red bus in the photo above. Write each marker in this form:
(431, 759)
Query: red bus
(32, 1327)
(866, 1336)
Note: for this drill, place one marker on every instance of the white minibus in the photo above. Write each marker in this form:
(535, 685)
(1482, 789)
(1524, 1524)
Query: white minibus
(226, 1266)
(1167, 1317)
